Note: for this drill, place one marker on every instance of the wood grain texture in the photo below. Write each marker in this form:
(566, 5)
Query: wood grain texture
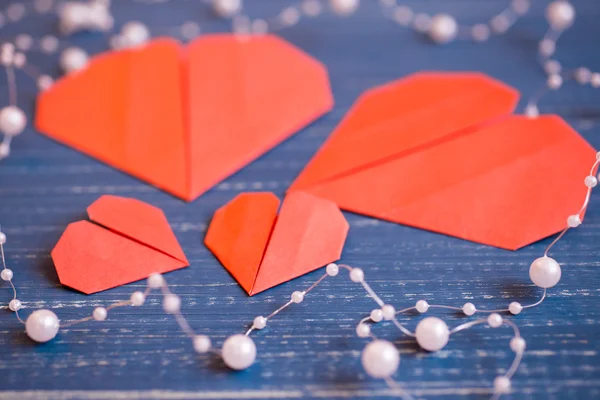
(310, 350)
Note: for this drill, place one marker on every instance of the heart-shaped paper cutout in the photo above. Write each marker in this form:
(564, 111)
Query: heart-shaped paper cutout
(440, 151)
(262, 250)
(135, 242)
(185, 118)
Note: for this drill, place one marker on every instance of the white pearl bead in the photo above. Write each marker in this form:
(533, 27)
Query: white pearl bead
(389, 312)
(4, 150)
(518, 344)
(297, 297)
(595, 80)
(12, 120)
(100, 314)
(201, 343)
(500, 23)
(469, 309)
(44, 82)
(380, 359)
(545, 272)
(583, 75)
(20, 60)
(357, 275)
(6, 274)
(343, 7)
(15, 305)
(555, 81)
(73, 17)
(520, 7)
(422, 306)
(42, 325)
(494, 320)
(171, 303)
(552, 67)
(432, 334)
(312, 8)
(376, 315)
(560, 14)
(547, 47)
(532, 111)
(501, 384)
(480, 32)
(239, 352)
(363, 330)
(332, 269)
(443, 28)
(515, 308)
(156, 281)
(227, 8)
(573, 221)
(591, 181)
(73, 59)
(290, 16)
(137, 299)
(2, 238)
(134, 33)
(259, 322)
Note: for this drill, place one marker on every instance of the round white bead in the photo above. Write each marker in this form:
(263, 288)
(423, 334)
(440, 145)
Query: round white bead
(42, 325)
(156, 281)
(515, 308)
(595, 80)
(4, 150)
(343, 7)
(555, 81)
(171, 303)
(389, 312)
(422, 306)
(552, 67)
(376, 315)
(297, 297)
(12, 120)
(443, 28)
(363, 330)
(259, 322)
(573, 221)
(312, 8)
(20, 60)
(520, 7)
(591, 181)
(547, 47)
(201, 343)
(15, 305)
(100, 314)
(432, 334)
(44, 82)
(501, 384)
(583, 75)
(239, 352)
(73, 59)
(6, 274)
(332, 269)
(357, 275)
(545, 272)
(137, 299)
(480, 32)
(380, 359)
(560, 14)
(532, 111)
(227, 8)
(494, 320)
(469, 309)
(2, 238)
(134, 33)
(518, 344)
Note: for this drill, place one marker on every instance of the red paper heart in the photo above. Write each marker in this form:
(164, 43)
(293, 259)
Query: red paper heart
(184, 119)
(137, 242)
(262, 250)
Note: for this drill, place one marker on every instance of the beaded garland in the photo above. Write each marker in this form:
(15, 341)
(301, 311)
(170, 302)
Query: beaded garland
(380, 358)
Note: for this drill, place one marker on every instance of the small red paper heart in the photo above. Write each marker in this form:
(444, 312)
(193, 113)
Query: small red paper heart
(137, 242)
(262, 250)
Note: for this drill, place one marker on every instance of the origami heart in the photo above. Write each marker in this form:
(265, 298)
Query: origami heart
(262, 250)
(137, 242)
(184, 119)
(440, 151)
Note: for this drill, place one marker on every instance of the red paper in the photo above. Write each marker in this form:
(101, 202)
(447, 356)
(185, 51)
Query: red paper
(184, 119)
(439, 151)
(262, 250)
(137, 242)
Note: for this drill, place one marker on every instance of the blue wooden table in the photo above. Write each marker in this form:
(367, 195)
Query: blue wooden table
(311, 349)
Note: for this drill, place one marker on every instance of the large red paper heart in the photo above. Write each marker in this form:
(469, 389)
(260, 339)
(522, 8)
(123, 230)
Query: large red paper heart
(136, 241)
(184, 119)
(262, 250)
(441, 151)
